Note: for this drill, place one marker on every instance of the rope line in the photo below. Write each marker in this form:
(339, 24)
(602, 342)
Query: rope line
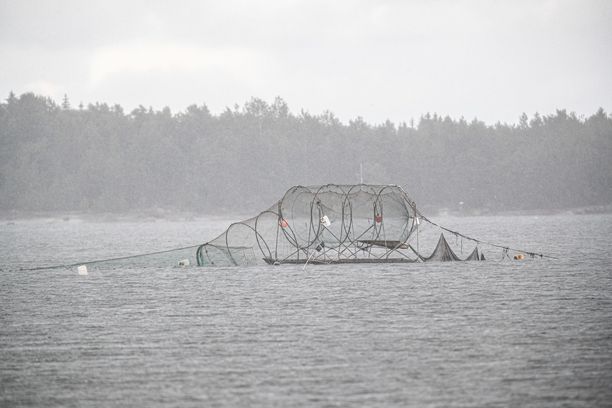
(119, 258)
(478, 241)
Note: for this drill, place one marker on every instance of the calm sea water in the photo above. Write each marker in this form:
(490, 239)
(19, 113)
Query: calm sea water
(495, 333)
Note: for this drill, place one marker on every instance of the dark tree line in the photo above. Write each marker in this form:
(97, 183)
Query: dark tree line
(100, 158)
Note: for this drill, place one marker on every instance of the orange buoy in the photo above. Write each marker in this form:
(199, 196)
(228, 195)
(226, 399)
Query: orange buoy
(283, 223)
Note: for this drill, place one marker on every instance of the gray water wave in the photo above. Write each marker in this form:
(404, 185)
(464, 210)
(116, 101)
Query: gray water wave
(495, 333)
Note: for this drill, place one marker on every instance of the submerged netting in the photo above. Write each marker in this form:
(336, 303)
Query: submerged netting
(326, 224)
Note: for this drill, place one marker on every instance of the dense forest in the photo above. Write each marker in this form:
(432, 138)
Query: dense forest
(98, 158)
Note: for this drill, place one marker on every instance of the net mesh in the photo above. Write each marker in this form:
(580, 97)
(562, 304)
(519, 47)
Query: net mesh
(321, 225)
(326, 224)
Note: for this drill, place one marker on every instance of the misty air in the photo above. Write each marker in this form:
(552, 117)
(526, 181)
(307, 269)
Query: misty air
(371, 203)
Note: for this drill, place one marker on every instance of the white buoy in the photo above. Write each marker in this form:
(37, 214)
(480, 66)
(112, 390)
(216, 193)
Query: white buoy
(325, 221)
(82, 269)
(184, 262)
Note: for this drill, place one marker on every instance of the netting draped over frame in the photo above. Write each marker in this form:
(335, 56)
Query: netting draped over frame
(330, 223)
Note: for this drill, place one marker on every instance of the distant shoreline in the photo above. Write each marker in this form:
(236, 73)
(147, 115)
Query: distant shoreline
(156, 214)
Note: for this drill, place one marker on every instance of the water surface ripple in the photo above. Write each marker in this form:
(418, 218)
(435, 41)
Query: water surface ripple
(533, 333)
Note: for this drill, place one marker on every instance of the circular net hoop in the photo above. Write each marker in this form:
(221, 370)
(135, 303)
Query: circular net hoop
(321, 224)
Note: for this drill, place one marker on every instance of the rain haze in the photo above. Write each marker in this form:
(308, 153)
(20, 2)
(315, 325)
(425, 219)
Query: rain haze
(373, 59)
(305, 203)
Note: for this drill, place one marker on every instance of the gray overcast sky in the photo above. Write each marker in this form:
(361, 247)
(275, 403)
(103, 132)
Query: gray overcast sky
(376, 59)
